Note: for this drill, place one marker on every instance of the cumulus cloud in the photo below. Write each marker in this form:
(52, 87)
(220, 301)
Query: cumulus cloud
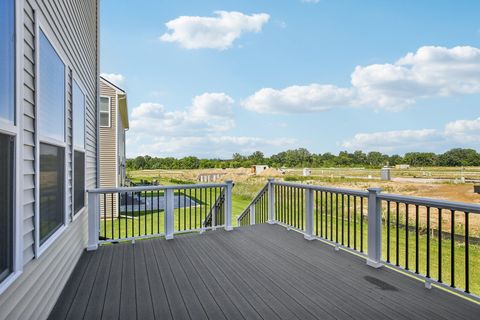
(429, 72)
(464, 133)
(200, 129)
(115, 78)
(218, 32)
(310, 98)
(209, 112)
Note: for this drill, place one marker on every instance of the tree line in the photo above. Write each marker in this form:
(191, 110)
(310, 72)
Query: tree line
(301, 157)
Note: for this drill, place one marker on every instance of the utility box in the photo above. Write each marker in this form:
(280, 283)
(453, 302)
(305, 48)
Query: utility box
(385, 174)
(476, 188)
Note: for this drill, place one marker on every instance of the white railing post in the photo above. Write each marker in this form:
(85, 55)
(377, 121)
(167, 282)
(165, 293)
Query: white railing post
(374, 228)
(309, 214)
(252, 214)
(169, 213)
(271, 202)
(93, 221)
(228, 205)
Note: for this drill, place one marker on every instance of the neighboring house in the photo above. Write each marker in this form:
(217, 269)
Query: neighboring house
(48, 141)
(113, 126)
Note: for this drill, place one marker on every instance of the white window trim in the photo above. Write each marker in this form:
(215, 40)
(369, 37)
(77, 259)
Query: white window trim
(41, 248)
(16, 130)
(73, 215)
(109, 112)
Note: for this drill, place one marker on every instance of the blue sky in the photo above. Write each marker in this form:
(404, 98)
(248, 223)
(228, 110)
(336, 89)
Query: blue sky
(209, 78)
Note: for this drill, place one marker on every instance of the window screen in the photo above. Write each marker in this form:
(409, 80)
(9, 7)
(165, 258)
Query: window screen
(79, 181)
(7, 61)
(51, 91)
(52, 186)
(78, 116)
(104, 112)
(6, 205)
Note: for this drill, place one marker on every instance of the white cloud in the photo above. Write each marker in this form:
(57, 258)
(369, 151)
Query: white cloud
(219, 32)
(464, 131)
(200, 129)
(459, 133)
(429, 72)
(310, 98)
(115, 78)
(209, 112)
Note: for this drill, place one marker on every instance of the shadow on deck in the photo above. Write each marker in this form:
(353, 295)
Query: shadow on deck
(255, 272)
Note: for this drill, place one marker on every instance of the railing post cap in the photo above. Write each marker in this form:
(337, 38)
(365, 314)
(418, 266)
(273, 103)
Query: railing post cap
(229, 181)
(271, 179)
(375, 190)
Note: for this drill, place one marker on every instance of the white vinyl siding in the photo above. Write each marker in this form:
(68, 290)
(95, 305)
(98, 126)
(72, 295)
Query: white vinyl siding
(72, 28)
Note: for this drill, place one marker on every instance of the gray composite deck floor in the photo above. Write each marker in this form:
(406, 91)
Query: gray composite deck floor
(256, 272)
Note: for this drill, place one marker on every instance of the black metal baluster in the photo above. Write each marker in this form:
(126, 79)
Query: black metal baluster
(388, 231)
(406, 235)
(139, 213)
(343, 220)
(439, 245)
(158, 212)
(119, 215)
(184, 209)
(452, 248)
(355, 222)
(316, 212)
(348, 222)
(105, 216)
(190, 208)
(416, 240)
(196, 204)
(126, 214)
(361, 224)
(331, 216)
(467, 260)
(321, 214)
(336, 217)
(397, 235)
(428, 242)
(113, 216)
(133, 215)
(145, 213)
(151, 211)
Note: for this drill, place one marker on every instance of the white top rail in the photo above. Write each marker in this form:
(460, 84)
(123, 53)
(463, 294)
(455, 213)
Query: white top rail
(351, 192)
(433, 203)
(155, 188)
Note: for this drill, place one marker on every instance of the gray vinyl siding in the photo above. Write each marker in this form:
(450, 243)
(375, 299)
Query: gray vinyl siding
(72, 26)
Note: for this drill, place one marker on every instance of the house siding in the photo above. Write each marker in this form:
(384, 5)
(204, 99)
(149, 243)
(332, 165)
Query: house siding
(109, 153)
(73, 28)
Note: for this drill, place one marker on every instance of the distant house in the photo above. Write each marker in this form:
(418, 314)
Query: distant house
(113, 127)
(402, 166)
(114, 124)
(259, 168)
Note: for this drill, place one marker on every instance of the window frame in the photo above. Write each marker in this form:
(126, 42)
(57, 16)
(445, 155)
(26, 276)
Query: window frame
(41, 248)
(109, 111)
(74, 215)
(15, 131)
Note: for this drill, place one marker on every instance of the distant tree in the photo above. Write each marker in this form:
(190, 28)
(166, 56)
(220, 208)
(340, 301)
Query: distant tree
(421, 159)
(459, 157)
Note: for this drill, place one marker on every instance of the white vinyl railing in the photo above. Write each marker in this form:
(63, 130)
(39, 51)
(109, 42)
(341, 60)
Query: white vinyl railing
(120, 214)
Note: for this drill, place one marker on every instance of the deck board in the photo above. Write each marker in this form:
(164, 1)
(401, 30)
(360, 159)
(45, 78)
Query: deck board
(255, 272)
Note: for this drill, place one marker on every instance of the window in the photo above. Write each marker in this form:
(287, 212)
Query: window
(7, 62)
(104, 111)
(8, 133)
(51, 126)
(52, 181)
(79, 147)
(51, 92)
(79, 181)
(6, 205)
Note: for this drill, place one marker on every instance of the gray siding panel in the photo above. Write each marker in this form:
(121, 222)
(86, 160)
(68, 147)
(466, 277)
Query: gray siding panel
(72, 25)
